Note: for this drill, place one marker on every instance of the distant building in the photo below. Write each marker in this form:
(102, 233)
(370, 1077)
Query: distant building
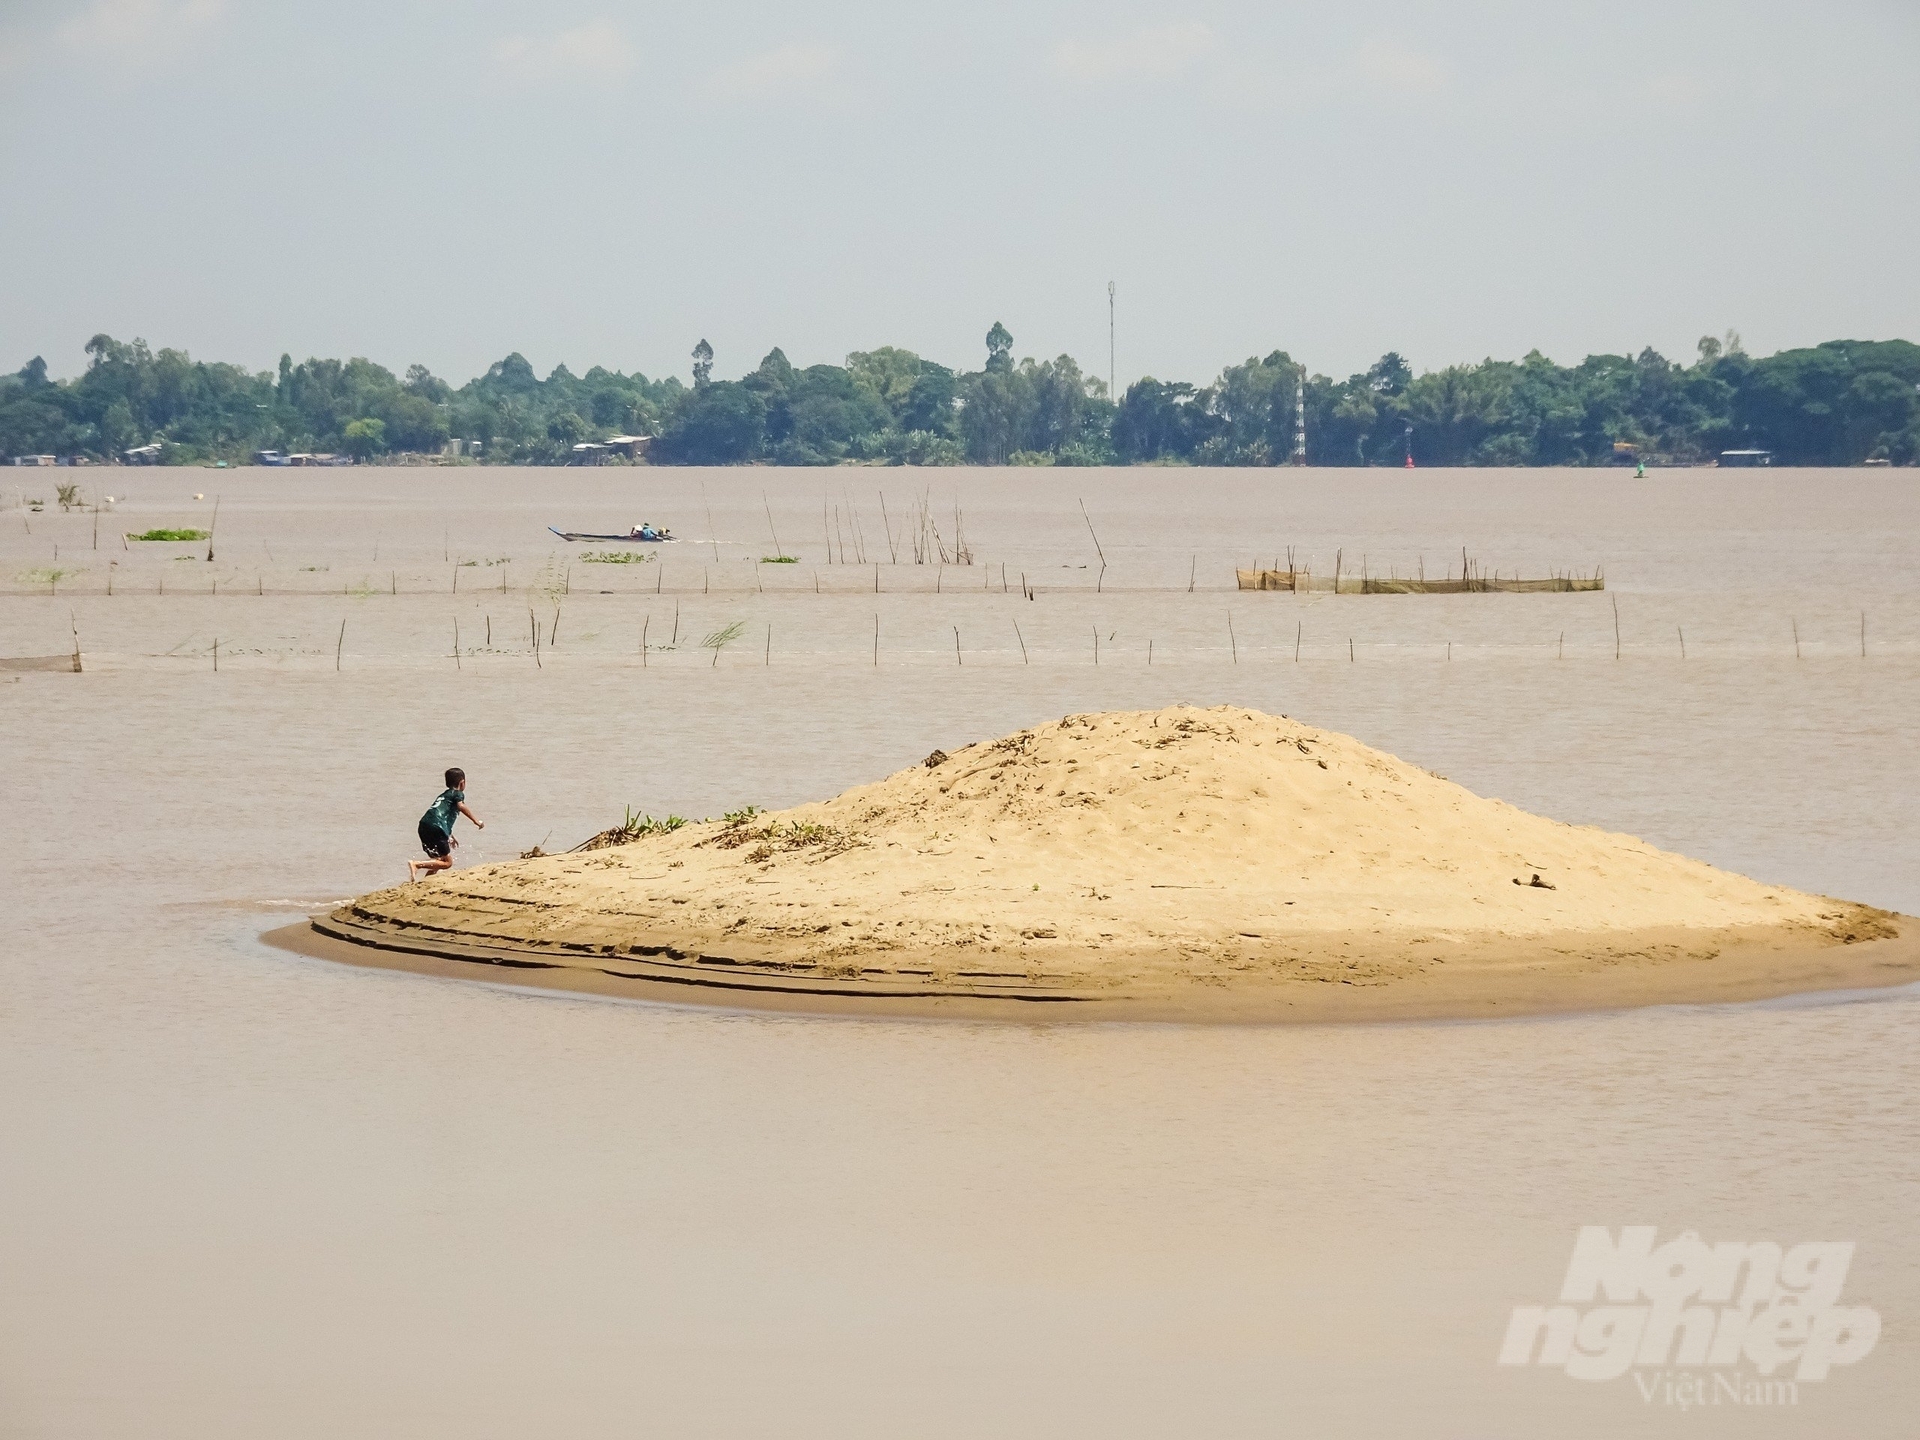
(1745, 457)
(35, 460)
(269, 457)
(598, 452)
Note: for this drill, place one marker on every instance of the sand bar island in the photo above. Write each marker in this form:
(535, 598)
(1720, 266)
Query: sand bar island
(1180, 864)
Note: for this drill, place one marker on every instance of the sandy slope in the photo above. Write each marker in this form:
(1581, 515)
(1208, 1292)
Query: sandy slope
(1134, 854)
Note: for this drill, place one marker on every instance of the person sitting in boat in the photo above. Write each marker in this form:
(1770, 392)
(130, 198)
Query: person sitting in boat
(644, 531)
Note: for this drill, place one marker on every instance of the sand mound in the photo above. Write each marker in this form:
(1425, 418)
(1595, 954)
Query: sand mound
(1123, 854)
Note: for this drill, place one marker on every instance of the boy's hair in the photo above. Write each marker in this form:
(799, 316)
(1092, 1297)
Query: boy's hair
(456, 778)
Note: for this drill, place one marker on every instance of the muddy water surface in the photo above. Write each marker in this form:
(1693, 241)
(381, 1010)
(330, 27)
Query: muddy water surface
(246, 1193)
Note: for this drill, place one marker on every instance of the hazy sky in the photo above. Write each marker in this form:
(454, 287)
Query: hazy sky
(605, 182)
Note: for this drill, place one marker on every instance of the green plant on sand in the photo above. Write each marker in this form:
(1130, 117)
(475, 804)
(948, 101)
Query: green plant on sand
(173, 535)
(779, 559)
(635, 826)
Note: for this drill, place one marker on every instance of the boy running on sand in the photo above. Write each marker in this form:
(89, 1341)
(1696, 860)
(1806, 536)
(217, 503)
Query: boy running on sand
(436, 827)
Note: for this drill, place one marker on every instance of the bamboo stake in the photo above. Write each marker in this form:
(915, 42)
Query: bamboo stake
(1796, 638)
(1149, 652)
(456, 644)
(1563, 646)
(1683, 641)
(216, 654)
(767, 658)
(676, 625)
(489, 630)
(956, 646)
(643, 640)
(339, 645)
(1616, 624)
(1349, 648)
(1096, 644)
(1232, 639)
(876, 641)
(213, 527)
(1193, 564)
(712, 535)
(770, 530)
(74, 622)
(1298, 627)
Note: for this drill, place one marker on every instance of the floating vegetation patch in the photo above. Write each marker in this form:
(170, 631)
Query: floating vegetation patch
(779, 559)
(174, 535)
(615, 557)
(48, 576)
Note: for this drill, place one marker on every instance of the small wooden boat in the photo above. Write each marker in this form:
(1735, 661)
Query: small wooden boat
(657, 537)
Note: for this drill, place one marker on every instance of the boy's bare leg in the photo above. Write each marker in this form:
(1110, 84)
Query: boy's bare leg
(417, 868)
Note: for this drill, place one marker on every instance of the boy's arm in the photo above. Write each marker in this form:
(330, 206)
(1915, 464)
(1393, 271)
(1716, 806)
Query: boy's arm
(462, 808)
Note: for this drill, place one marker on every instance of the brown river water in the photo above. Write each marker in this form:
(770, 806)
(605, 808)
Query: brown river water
(245, 1193)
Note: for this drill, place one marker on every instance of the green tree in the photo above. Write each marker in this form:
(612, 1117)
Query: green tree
(363, 439)
(719, 423)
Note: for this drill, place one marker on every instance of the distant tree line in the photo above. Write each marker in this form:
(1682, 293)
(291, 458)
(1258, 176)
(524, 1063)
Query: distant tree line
(1839, 403)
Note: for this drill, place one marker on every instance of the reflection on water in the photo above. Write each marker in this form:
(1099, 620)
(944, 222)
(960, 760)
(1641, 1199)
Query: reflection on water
(249, 1193)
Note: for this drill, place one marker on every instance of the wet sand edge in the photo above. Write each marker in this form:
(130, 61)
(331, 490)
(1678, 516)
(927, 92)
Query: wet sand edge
(1515, 983)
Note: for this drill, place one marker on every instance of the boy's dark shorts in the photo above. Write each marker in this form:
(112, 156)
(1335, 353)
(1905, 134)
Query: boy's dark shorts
(435, 841)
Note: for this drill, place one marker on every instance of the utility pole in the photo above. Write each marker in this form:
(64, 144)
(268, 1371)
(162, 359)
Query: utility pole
(1299, 456)
(1110, 373)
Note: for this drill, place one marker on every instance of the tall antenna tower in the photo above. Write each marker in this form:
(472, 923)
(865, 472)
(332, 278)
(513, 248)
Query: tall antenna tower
(1110, 395)
(1299, 456)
